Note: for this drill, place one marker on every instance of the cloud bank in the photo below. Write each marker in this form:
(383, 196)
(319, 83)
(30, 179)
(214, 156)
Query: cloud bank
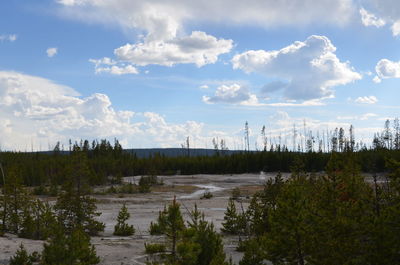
(38, 112)
(168, 15)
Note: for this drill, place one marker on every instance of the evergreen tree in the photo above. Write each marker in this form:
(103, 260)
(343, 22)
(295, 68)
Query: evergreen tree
(144, 184)
(27, 225)
(170, 223)
(197, 244)
(63, 249)
(288, 236)
(158, 227)
(75, 207)
(37, 220)
(14, 199)
(230, 224)
(122, 228)
(21, 257)
(201, 245)
(174, 225)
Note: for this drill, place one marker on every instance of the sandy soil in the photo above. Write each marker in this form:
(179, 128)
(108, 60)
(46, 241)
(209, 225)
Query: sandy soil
(144, 208)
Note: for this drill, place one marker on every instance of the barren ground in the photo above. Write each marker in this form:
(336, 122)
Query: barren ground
(144, 208)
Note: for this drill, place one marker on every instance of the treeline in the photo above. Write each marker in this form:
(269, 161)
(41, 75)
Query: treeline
(109, 162)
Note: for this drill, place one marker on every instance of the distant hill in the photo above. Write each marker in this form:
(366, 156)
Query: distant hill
(168, 152)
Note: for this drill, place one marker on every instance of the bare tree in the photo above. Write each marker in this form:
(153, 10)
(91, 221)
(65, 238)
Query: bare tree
(246, 136)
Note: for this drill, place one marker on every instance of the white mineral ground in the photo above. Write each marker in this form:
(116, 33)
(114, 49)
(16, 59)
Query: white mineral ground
(144, 208)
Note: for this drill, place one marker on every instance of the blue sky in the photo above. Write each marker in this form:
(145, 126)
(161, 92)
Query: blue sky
(152, 73)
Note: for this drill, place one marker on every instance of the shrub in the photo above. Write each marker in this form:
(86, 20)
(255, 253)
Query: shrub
(206, 195)
(145, 184)
(22, 257)
(154, 248)
(155, 229)
(127, 188)
(122, 228)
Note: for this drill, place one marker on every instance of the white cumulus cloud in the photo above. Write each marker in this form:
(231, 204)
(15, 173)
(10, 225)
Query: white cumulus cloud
(310, 68)
(396, 28)
(369, 19)
(51, 51)
(117, 70)
(232, 94)
(366, 100)
(198, 48)
(107, 65)
(388, 11)
(387, 69)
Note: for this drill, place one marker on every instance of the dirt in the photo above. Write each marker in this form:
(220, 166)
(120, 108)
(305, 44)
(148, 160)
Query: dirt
(144, 208)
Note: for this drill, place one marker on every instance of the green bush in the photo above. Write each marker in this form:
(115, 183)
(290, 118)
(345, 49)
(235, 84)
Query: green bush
(145, 184)
(22, 257)
(122, 228)
(206, 195)
(127, 188)
(155, 229)
(154, 248)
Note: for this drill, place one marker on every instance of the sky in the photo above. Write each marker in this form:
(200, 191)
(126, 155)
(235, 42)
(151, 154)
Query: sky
(152, 73)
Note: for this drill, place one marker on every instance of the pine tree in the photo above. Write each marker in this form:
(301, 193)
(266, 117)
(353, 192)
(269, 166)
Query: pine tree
(63, 249)
(174, 225)
(14, 199)
(37, 218)
(27, 225)
(21, 257)
(122, 228)
(230, 224)
(197, 244)
(158, 227)
(170, 223)
(144, 184)
(75, 207)
(211, 245)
